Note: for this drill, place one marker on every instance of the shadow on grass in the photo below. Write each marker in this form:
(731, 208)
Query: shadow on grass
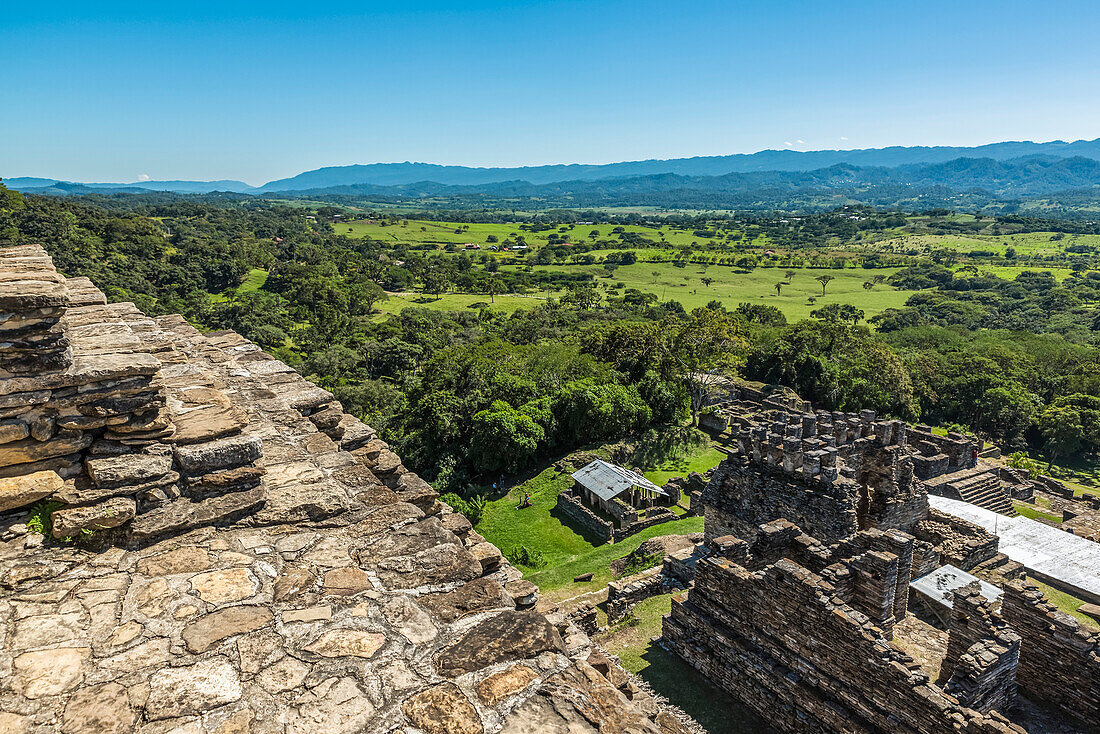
(684, 686)
(589, 537)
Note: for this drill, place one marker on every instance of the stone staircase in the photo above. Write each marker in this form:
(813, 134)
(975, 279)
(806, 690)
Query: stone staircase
(980, 485)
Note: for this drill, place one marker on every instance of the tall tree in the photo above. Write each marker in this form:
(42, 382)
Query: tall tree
(703, 348)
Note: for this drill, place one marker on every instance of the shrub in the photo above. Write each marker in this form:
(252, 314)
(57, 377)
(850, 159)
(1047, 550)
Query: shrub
(524, 556)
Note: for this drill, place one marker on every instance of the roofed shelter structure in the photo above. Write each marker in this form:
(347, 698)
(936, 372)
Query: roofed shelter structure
(600, 483)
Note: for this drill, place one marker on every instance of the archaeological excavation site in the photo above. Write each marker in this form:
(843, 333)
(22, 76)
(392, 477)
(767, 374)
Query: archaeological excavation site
(194, 539)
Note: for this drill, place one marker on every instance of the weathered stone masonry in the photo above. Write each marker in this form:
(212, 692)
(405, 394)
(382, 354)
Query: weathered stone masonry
(781, 641)
(274, 568)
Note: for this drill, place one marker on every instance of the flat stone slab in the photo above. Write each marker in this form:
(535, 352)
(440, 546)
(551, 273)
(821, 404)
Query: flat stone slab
(207, 423)
(28, 489)
(510, 635)
(208, 631)
(191, 690)
(115, 471)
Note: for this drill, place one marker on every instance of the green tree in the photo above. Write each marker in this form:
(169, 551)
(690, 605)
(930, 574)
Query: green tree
(1008, 414)
(1062, 431)
(503, 439)
(838, 313)
(824, 280)
(703, 347)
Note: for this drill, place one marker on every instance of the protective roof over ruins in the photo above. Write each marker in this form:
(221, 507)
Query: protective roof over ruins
(607, 481)
(940, 585)
(1053, 553)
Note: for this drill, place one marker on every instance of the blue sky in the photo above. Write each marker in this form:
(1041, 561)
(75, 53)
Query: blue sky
(116, 91)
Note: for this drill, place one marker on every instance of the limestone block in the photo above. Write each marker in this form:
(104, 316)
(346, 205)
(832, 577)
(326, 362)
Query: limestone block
(117, 471)
(108, 514)
(28, 489)
(191, 690)
(225, 453)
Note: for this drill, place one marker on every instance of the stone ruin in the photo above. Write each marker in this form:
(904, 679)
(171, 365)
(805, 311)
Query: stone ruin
(834, 477)
(244, 556)
(946, 464)
(798, 603)
(801, 632)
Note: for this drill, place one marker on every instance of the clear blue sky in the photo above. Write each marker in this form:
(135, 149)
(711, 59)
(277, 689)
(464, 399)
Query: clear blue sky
(115, 91)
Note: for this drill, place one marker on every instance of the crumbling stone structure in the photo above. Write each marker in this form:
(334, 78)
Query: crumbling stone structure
(797, 647)
(1059, 658)
(833, 477)
(982, 654)
(258, 561)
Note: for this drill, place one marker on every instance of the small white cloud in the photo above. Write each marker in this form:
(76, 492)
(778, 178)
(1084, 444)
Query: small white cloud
(787, 144)
(143, 177)
(843, 137)
(801, 142)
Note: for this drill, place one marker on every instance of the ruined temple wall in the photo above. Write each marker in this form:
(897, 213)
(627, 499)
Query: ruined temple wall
(569, 506)
(1059, 659)
(957, 542)
(777, 641)
(741, 497)
(983, 653)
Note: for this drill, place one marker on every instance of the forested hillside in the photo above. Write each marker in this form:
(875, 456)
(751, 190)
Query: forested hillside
(556, 347)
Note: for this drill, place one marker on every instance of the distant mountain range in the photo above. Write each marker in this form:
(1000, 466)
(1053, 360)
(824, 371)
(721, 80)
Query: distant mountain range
(1060, 179)
(402, 174)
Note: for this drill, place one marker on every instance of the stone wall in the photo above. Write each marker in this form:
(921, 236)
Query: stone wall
(624, 594)
(983, 653)
(832, 474)
(1059, 659)
(654, 516)
(957, 542)
(956, 447)
(778, 640)
(584, 520)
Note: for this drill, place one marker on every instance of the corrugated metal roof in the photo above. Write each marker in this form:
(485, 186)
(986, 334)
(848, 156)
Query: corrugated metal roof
(941, 584)
(609, 480)
(1062, 556)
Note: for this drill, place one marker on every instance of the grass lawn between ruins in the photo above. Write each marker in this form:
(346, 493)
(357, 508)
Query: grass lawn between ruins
(565, 553)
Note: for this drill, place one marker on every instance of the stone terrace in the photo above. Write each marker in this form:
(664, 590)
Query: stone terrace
(259, 561)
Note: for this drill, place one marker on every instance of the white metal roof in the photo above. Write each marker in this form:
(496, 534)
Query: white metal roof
(941, 584)
(607, 480)
(1063, 556)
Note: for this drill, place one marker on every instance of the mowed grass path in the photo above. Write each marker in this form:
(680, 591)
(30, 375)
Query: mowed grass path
(566, 553)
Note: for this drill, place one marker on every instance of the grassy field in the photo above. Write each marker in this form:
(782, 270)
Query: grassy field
(254, 281)
(732, 287)
(1066, 603)
(1028, 244)
(565, 553)
(1026, 510)
(444, 233)
(453, 302)
(702, 459)
(670, 676)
